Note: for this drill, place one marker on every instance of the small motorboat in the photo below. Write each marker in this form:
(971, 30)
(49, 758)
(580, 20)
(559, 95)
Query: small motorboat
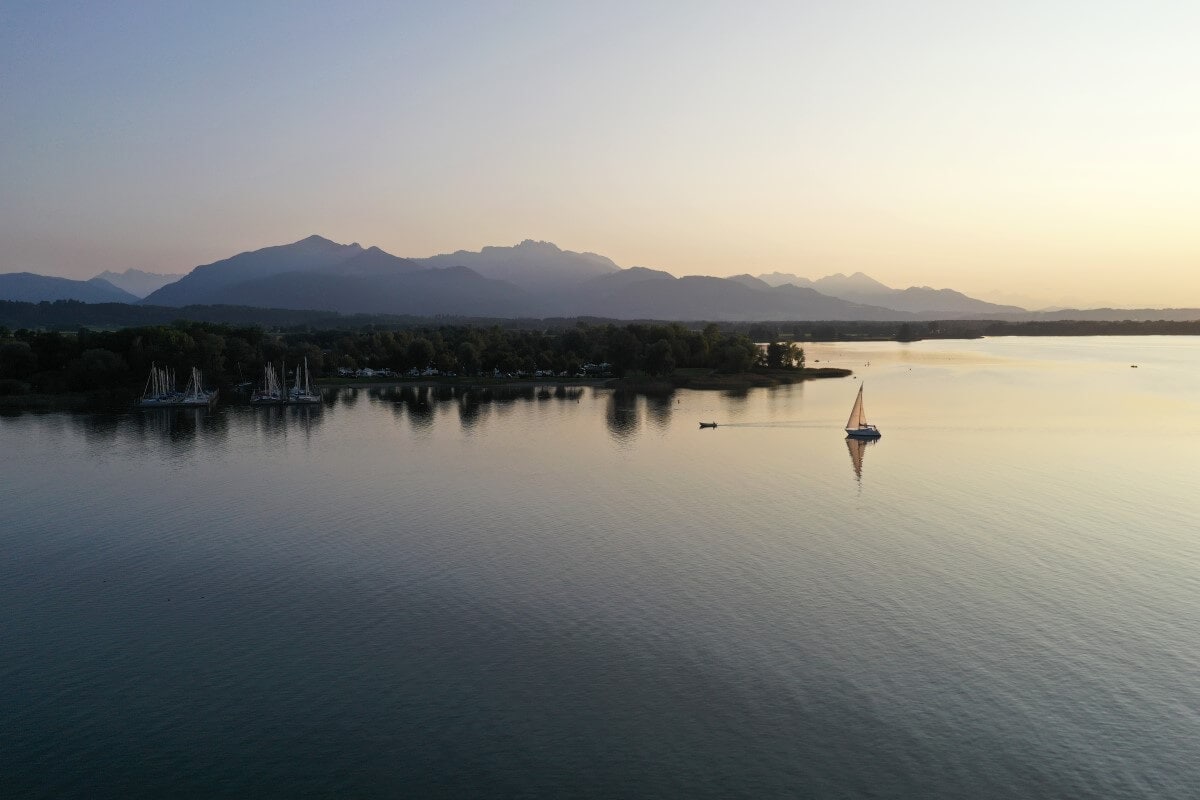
(708, 424)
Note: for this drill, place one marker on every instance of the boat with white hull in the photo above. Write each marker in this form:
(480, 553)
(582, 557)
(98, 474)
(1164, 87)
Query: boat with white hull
(160, 391)
(270, 392)
(302, 393)
(857, 426)
(195, 395)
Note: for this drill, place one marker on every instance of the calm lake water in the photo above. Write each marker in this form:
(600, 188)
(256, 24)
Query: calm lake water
(416, 593)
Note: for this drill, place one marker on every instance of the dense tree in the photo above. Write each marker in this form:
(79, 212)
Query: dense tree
(467, 356)
(659, 360)
(17, 359)
(420, 353)
(118, 360)
(783, 354)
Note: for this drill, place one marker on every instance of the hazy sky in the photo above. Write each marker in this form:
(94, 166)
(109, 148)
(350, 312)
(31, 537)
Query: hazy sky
(1046, 152)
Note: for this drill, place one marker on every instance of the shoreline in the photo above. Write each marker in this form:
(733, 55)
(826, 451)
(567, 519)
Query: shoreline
(684, 379)
(708, 381)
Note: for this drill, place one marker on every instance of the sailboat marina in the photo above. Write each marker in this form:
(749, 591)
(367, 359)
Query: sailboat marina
(271, 391)
(161, 391)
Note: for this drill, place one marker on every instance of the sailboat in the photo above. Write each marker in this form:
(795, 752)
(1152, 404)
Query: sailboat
(302, 393)
(160, 389)
(270, 393)
(195, 395)
(857, 426)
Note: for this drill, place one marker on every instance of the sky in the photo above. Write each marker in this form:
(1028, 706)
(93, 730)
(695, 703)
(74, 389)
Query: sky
(1043, 153)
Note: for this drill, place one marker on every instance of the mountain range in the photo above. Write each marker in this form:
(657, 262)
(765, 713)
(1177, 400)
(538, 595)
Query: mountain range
(530, 279)
(137, 282)
(860, 288)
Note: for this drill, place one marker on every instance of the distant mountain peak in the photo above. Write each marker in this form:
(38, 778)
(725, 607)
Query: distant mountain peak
(205, 282)
(137, 282)
(533, 265)
(859, 281)
(539, 244)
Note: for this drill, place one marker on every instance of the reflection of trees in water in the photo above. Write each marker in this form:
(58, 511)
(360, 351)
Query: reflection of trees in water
(622, 414)
(182, 427)
(104, 428)
(469, 407)
(277, 421)
(659, 407)
(418, 402)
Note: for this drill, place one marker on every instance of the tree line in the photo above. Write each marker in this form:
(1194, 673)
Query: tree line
(111, 365)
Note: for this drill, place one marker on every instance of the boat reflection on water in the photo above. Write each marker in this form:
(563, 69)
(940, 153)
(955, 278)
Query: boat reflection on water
(276, 421)
(858, 447)
(179, 424)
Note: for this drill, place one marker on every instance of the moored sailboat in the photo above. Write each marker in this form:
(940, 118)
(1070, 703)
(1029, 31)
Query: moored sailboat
(195, 395)
(270, 393)
(302, 393)
(857, 426)
(160, 391)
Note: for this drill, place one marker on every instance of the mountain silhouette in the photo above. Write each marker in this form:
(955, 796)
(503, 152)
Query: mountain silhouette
(532, 278)
(426, 292)
(32, 288)
(204, 283)
(533, 266)
(372, 261)
(137, 282)
(920, 300)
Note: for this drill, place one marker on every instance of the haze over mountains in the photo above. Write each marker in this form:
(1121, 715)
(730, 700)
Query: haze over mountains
(861, 288)
(137, 282)
(530, 279)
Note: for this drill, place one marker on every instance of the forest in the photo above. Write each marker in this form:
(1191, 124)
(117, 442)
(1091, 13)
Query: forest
(110, 366)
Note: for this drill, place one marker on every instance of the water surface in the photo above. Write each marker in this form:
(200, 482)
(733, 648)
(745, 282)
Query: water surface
(545, 594)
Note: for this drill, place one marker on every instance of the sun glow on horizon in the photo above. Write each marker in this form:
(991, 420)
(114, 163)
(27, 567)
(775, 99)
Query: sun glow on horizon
(1041, 151)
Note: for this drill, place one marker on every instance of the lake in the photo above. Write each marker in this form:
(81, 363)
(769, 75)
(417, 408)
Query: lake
(431, 593)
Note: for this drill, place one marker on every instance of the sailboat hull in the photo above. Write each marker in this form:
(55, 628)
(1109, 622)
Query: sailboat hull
(207, 400)
(863, 433)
